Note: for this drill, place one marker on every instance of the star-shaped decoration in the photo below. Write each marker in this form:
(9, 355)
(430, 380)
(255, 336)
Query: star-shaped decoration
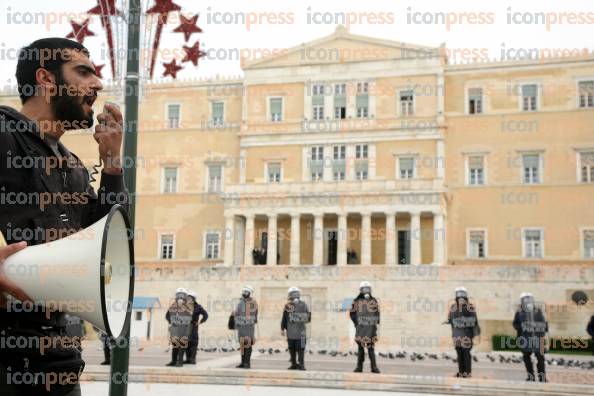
(163, 8)
(193, 53)
(188, 26)
(80, 31)
(98, 70)
(171, 69)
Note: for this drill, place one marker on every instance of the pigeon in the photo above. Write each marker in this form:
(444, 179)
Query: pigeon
(383, 355)
(277, 351)
(270, 351)
(261, 350)
(401, 355)
(475, 358)
(491, 358)
(333, 353)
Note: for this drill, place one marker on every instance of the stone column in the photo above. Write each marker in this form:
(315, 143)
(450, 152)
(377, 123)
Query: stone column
(229, 235)
(342, 239)
(318, 235)
(415, 238)
(248, 259)
(390, 238)
(438, 238)
(295, 241)
(366, 238)
(271, 250)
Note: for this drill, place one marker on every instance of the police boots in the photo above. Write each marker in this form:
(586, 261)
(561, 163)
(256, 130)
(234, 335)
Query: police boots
(248, 356)
(301, 365)
(293, 354)
(173, 357)
(374, 368)
(360, 360)
(180, 358)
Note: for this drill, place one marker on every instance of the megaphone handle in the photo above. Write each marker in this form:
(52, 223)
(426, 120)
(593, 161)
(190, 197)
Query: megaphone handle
(2, 240)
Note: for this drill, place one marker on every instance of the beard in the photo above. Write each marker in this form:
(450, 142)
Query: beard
(69, 109)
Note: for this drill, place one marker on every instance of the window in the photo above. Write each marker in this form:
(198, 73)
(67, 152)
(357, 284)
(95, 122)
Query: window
(588, 241)
(213, 245)
(218, 113)
(276, 109)
(407, 102)
(476, 170)
(170, 180)
(274, 172)
(586, 92)
(587, 167)
(531, 168)
(361, 161)
(361, 151)
(533, 243)
(173, 115)
(340, 101)
(317, 102)
(529, 97)
(138, 315)
(475, 101)
(215, 178)
(316, 164)
(406, 167)
(339, 162)
(477, 244)
(362, 100)
(166, 247)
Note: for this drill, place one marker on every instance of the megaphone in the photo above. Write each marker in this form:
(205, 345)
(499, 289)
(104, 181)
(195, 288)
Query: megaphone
(89, 274)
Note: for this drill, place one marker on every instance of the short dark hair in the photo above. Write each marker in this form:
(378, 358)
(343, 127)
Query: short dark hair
(48, 53)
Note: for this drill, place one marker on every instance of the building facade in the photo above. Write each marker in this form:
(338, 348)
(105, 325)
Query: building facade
(351, 151)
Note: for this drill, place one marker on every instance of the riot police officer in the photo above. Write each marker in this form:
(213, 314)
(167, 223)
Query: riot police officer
(295, 315)
(531, 326)
(197, 313)
(179, 317)
(463, 319)
(365, 315)
(244, 318)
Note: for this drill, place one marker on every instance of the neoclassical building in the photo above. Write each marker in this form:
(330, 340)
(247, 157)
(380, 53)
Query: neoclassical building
(355, 150)
(351, 158)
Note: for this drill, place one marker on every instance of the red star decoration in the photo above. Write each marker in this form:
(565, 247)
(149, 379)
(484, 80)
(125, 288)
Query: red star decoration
(80, 31)
(105, 9)
(193, 53)
(98, 70)
(171, 69)
(188, 26)
(163, 8)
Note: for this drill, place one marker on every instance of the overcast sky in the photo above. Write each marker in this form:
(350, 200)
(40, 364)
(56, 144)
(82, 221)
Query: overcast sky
(284, 23)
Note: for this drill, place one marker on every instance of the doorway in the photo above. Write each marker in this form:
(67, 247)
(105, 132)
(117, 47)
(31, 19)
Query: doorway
(331, 246)
(403, 247)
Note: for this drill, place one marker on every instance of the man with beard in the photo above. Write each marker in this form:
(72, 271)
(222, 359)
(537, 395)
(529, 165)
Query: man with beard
(179, 316)
(46, 195)
(532, 327)
(462, 317)
(197, 313)
(244, 320)
(295, 315)
(365, 315)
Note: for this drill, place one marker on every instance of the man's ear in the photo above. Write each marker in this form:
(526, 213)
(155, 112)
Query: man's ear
(46, 80)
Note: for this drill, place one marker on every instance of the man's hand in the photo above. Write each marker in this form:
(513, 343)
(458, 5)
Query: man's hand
(6, 285)
(109, 136)
(283, 333)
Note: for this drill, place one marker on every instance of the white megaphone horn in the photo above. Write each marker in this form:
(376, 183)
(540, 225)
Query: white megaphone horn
(89, 274)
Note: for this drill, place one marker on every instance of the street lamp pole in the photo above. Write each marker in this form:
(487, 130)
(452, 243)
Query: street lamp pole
(118, 383)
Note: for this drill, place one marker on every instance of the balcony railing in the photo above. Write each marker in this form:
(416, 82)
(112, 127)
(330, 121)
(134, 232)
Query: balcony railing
(328, 187)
